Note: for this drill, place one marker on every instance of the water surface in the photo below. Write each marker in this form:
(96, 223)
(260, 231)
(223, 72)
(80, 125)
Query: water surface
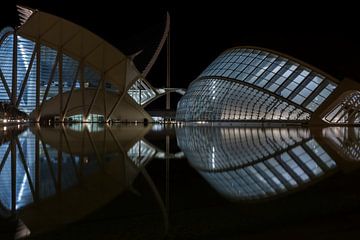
(152, 182)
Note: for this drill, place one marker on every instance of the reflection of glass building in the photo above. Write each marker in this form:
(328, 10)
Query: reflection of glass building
(25, 169)
(255, 163)
(53, 176)
(249, 83)
(35, 166)
(50, 67)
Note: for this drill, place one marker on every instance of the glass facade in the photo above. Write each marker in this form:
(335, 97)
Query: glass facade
(141, 92)
(72, 76)
(6, 56)
(26, 71)
(254, 163)
(91, 118)
(252, 84)
(213, 99)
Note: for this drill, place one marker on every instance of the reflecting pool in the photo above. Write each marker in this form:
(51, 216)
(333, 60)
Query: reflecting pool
(94, 181)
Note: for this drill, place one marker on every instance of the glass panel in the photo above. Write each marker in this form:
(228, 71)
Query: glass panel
(213, 99)
(6, 56)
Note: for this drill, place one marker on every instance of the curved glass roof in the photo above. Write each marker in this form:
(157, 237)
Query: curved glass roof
(275, 73)
(212, 99)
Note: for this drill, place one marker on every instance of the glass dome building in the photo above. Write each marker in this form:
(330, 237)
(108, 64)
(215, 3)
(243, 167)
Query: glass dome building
(256, 84)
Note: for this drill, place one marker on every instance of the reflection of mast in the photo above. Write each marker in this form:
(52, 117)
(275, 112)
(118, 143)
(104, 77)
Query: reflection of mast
(158, 198)
(148, 180)
(167, 173)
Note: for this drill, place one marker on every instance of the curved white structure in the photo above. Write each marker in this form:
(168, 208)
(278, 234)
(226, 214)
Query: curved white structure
(256, 84)
(49, 57)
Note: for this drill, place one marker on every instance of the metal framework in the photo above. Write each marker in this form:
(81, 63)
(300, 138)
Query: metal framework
(347, 110)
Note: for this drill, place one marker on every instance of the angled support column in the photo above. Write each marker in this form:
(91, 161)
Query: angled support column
(4, 158)
(71, 91)
(95, 96)
(26, 77)
(138, 83)
(60, 84)
(6, 86)
(66, 139)
(14, 71)
(37, 168)
(48, 159)
(82, 89)
(38, 54)
(168, 71)
(59, 167)
(104, 102)
(93, 145)
(115, 105)
(121, 96)
(48, 86)
(25, 166)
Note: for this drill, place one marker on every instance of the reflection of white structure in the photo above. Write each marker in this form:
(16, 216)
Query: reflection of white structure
(142, 152)
(254, 163)
(37, 166)
(71, 171)
(255, 84)
(51, 67)
(53, 176)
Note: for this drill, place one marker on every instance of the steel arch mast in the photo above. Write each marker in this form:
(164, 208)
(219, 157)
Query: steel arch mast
(168, 70)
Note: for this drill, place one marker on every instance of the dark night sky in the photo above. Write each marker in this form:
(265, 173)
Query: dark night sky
(325, 37)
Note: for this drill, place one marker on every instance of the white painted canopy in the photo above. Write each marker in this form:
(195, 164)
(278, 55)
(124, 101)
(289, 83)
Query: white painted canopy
(80, 44)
